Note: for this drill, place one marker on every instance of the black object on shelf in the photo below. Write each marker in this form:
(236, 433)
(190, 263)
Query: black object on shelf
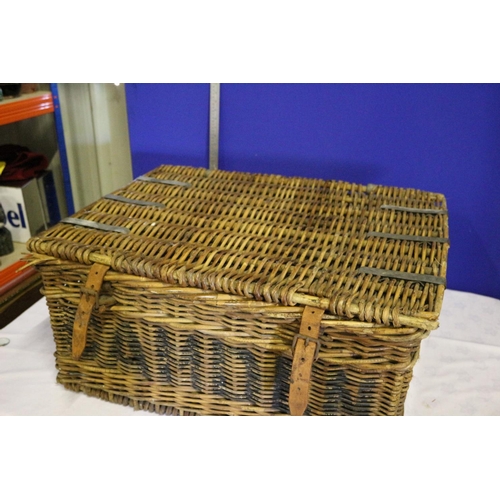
(20, 163)
(11, 89)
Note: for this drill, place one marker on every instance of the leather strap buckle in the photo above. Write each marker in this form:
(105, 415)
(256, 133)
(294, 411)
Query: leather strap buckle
(307, 340)
(88, 302)
(90, 292)
(305, 349)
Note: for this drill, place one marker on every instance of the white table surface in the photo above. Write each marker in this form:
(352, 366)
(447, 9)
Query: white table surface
(458, 372)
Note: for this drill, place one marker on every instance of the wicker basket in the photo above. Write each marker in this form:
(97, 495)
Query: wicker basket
(192, 291)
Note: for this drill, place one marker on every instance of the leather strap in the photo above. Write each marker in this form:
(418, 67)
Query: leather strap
(88, 299)
(306, 349)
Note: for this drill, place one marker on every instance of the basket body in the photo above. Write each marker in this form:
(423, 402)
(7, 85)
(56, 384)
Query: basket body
(201, 306)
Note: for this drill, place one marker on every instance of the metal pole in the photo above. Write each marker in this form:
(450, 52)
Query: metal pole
(214, 126)
(62, 148)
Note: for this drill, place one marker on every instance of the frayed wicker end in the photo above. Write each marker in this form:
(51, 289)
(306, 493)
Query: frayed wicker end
(125, 401)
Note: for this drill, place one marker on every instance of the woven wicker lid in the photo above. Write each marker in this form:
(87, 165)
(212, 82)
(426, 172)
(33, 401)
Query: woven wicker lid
(374, 253)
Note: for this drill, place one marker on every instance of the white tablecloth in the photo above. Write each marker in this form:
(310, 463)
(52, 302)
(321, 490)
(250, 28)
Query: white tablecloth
(458, 372)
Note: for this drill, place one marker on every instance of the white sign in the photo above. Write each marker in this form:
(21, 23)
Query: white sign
(24, 213)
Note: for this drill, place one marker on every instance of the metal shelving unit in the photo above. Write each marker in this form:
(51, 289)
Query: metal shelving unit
(26, 106)
(20, 289)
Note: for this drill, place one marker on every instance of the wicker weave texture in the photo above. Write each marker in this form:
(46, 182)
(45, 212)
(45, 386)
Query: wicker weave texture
(268, 237)
(209, 353)
(204, 296)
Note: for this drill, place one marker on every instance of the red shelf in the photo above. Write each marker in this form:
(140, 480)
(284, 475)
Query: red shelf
(25, 106)
(13, 275)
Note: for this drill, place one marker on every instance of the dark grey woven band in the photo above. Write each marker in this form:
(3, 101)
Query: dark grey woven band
(423, 239)
(430, 211)
(95, 225)
(145, 178)
(423, 278)
(115, 197)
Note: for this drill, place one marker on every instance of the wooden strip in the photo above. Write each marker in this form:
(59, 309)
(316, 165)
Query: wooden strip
(213, 151)
(302, 298)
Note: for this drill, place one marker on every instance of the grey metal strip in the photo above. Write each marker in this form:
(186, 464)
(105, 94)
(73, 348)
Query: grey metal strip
(95, 225)
(406, 237)
(423, 278)
(430, 211)
(134, 202)
(145, 178)
(213, 143)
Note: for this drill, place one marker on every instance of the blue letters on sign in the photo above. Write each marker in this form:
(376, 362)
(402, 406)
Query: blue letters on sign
(14, 217)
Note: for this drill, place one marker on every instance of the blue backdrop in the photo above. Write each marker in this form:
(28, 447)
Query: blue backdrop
(436, 137)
